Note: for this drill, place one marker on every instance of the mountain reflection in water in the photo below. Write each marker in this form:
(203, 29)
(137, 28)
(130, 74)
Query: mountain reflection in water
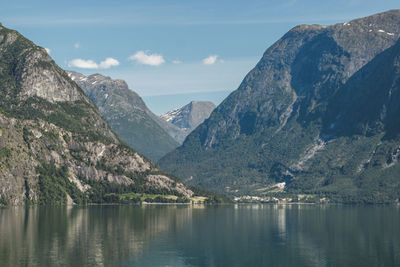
(227, 235)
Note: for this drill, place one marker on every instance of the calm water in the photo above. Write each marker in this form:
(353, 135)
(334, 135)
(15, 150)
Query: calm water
(231, 235)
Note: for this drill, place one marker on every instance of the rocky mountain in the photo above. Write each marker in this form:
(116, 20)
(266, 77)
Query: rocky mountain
(189, 116)
(317, 117)
(127, 114)
(54, 145)
(174, 131)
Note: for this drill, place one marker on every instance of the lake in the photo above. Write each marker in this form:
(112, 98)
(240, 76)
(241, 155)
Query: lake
(183, 235)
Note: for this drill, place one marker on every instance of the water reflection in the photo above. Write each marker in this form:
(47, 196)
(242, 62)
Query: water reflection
(98, 235)
(232, 235)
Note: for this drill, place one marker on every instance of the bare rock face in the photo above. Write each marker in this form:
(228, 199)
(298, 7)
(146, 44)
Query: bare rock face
(55, 148)
(37, 74)
(189, 116)
(162, 181)
(40, 78)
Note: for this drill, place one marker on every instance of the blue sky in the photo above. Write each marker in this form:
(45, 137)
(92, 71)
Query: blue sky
(171, 47)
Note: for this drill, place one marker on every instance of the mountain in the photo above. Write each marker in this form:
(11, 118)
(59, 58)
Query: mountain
(318, 117)
(127, 114)
(189, 116)
(130, 118)
(55, 147)
(174, 131)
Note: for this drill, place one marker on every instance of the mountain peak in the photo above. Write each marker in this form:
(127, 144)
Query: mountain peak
(189, 116)
(303, 27)
(37, 74)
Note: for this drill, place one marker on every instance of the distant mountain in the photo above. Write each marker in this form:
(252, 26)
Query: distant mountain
(127, 114)
(55, 148)
(190, 116)
(317, 117)
(174, 131)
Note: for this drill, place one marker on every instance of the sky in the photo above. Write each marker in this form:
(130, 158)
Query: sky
(170, 51)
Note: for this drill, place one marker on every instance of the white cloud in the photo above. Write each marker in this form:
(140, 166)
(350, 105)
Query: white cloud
(147, 59)
(108, 63)
(176, 61)
(48, 50)
(77, 45)
(83, 64)
(210, 60)
(90, 64)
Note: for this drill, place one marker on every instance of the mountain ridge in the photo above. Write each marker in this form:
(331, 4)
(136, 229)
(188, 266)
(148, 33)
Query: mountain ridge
(127, 114)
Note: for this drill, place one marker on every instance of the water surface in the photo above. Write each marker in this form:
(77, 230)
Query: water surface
(229, 235)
